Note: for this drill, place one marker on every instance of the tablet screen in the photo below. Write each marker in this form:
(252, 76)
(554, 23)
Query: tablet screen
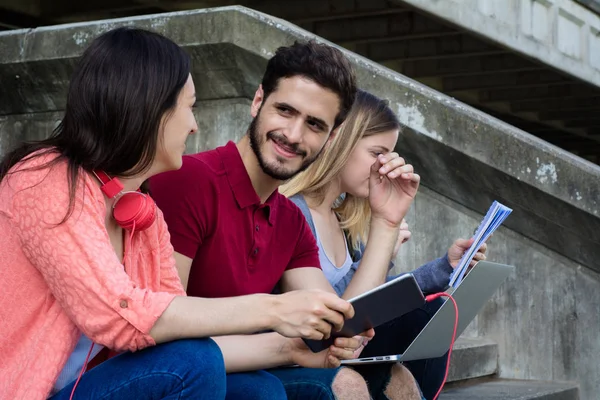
(377, 306)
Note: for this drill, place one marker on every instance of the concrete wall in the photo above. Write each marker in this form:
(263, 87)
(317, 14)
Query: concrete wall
(561, 33)
(545, 317)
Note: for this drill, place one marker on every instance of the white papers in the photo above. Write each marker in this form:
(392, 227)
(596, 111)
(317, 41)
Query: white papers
(492, 220)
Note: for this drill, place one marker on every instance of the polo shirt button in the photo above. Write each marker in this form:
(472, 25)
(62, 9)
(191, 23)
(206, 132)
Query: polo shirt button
(257, 228)
(256, 251)
(123, 304)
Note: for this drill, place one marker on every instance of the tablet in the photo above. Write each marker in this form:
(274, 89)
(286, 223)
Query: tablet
(375, 307)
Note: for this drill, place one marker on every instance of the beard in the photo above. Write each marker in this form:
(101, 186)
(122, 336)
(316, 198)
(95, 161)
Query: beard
(277, 169)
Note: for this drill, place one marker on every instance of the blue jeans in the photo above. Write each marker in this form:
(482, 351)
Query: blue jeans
(257, 385)
(307, 383)
(183, 369)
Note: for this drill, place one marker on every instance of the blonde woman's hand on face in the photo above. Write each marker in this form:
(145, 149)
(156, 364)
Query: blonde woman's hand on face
(458, 249)
(403, 237)
(342, 349)
(393, 185)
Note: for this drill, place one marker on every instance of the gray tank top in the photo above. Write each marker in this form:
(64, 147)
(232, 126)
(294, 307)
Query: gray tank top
(333, 273)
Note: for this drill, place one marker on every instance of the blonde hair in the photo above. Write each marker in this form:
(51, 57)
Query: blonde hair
(369, 116)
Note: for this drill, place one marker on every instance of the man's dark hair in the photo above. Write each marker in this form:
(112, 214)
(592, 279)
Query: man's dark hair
(125, 83)
(322, 64)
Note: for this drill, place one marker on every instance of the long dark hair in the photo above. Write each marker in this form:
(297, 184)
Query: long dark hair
(126, 81)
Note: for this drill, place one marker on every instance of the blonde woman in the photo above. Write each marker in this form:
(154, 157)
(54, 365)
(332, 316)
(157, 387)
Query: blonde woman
(334, 196)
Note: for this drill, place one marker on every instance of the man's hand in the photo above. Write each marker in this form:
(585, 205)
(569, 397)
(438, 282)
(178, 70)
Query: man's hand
(310, 314)
(458, 249)
(342, 349)
(392, 188)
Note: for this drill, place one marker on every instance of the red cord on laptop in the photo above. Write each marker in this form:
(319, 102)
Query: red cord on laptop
(432, 297)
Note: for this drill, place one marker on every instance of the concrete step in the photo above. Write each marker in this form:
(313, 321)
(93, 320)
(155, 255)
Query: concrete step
(498, 389)
(473, 358)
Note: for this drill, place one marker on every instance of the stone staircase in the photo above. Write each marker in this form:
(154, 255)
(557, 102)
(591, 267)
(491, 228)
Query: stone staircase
(473, 376)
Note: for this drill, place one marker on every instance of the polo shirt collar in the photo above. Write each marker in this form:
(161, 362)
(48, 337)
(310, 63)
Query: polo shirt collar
(240, 182)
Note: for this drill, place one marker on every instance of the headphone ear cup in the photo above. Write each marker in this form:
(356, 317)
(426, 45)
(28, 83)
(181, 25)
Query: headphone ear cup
(135, 207)
(147, 214)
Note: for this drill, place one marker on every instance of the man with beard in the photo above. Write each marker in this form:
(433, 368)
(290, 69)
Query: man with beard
(233, 232)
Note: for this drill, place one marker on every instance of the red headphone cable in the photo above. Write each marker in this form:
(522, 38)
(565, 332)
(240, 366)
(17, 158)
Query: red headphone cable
(87, 358)
(432, 297)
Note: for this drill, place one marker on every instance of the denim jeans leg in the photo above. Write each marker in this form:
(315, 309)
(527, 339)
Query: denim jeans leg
(183, 369)
(255, 385)
(307, 383)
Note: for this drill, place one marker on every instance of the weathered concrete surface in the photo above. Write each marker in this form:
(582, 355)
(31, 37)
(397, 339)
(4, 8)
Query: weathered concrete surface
(466, 159)
(460, 152)
(16, 128)
(544, 318)
(473, 358)
(513, 390)
(220, 70)
(218, 121)
(560, 33)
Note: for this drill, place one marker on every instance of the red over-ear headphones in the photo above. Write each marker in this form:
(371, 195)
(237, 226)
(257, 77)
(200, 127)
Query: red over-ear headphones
(131, 210)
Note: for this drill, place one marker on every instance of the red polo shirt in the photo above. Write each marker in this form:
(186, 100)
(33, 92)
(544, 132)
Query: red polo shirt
(239, 246)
